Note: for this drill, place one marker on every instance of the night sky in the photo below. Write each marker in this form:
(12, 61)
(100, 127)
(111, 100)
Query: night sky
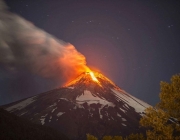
(135, 43)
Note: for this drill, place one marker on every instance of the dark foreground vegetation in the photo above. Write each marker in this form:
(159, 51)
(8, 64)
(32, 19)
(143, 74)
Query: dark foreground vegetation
(13, 127)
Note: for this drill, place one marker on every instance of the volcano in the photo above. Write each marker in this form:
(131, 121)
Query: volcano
(89, 104)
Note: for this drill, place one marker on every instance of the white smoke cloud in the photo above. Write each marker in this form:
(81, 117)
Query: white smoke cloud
(22, 45)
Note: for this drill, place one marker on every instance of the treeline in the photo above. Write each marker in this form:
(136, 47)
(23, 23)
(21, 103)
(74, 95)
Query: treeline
(161, 121)
(130, 137)
(13, 127)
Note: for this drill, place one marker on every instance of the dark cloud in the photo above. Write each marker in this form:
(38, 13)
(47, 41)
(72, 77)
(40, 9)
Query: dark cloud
(24, 46)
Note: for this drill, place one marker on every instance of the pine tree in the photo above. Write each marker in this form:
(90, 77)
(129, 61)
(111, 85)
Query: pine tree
(135, 137)
(107, 138)
(156, 120)
(112, 138)
(170, 97)
(117, 138)
(91, 137)
(163, 120)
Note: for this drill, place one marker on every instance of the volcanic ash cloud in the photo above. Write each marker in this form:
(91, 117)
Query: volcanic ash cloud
(22, 45)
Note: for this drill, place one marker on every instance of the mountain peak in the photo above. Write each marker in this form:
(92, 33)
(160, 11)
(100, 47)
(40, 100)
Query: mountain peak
(91, 78)
(91, 103)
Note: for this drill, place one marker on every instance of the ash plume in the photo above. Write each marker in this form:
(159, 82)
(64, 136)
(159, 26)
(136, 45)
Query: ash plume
(22, 45)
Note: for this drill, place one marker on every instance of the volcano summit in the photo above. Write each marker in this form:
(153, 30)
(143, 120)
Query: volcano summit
(89, 104)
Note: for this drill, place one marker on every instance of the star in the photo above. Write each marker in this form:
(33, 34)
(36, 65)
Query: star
(170, 26)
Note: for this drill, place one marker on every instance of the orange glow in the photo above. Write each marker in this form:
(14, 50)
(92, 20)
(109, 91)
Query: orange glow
(89, 75)
(93, 77)
(72, 64)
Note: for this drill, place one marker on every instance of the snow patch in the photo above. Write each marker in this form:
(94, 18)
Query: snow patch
(23, 113)
(52, 105)
(21, 104)
(70, 87)
(123, 119)
(44, 116)
(100, 113)
(60, 113)
(42, 120)
(118, 115)
(64, 99)
(90, 99)
(135, 103)
(53, 109)
(124, 124)
(126, 106)
(122, 110)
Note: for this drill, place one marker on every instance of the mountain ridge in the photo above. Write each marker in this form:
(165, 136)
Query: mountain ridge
(15, 128)
(91, 103)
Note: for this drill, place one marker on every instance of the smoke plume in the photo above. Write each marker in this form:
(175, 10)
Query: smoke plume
(22, 45)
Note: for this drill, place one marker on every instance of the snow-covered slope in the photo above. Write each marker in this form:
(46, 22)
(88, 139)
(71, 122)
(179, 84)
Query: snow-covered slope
(84, 106)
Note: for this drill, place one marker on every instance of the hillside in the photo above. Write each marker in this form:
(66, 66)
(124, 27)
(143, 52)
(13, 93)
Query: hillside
(13, 127)
(91, 103)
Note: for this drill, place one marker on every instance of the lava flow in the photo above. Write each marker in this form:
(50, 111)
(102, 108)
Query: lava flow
(89, 75)
(93, 76)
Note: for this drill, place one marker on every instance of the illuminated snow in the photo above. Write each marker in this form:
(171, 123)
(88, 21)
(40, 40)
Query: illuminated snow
(124, 124)
(60, 113)
(126, 106)
(90, 99)
(23, 113)
(54, 109)
(64, 99)
(53, 105)
(100, 113)
(21, 104)
(42, 119)
(123, 119)
(50, 118)
(118, 115)
(70, 87)
(135, 103)
(122, 110)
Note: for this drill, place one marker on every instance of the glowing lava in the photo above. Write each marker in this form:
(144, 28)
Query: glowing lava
(93, 77)
(87, 77)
